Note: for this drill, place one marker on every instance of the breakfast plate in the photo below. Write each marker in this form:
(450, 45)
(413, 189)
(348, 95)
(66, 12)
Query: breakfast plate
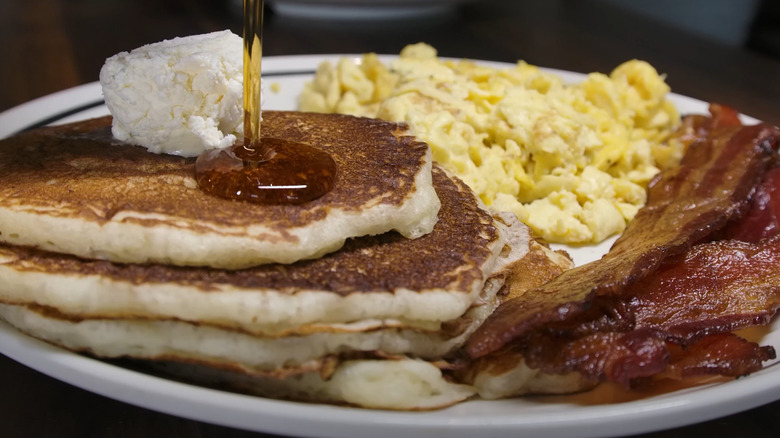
(604, 412)
(361, 9)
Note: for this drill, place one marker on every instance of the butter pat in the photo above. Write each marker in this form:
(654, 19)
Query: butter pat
(180, 96)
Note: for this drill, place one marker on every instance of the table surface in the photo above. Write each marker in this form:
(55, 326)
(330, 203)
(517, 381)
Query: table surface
(51, 45)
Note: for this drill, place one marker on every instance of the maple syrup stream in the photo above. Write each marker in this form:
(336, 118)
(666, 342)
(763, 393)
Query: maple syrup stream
(262, 169)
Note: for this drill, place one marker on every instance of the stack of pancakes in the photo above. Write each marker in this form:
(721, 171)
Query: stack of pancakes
(363, 296)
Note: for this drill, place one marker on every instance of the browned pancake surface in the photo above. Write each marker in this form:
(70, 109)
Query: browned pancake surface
(80, 171)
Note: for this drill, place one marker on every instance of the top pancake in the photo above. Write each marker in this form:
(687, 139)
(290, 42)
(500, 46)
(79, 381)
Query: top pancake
(74, 189)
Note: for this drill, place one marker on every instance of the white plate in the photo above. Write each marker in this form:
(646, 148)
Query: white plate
(598, 413)
(361, 9)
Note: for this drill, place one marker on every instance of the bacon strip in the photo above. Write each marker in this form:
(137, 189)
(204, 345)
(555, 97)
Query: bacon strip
(763, 218)
(724, 354)
(695, 302)
(717, 287)
(623, 358)
(711, 187)
(613, 356)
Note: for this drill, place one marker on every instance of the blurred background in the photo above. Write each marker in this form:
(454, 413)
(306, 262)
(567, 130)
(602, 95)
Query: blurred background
(753, 24)
(685, 39)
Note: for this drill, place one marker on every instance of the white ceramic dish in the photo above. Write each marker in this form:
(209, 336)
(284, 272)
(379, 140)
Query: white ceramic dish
(361, 9)
(599, 413)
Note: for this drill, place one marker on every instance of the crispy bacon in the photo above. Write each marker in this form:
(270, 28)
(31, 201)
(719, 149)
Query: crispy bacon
(723, 115)
(723, 354)
(614, 356)
(696, 127)
(627, 357)
(716, 287)
(694, 302)
(711, 187)
(763, 218)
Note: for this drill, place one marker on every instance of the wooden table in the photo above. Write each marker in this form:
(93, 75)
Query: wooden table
(50, 45)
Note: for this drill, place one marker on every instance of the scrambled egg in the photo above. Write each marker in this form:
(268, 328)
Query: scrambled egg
(571, 160)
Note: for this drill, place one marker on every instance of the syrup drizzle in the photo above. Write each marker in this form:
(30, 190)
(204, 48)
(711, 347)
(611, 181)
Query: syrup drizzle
(262, 169)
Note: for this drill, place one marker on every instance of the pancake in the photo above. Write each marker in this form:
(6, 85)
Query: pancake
(373, 280)
(222, 359)
(74, 189)
(384, 312)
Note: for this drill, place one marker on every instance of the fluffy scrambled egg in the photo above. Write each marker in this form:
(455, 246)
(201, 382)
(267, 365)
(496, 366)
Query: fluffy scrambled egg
(571, 160)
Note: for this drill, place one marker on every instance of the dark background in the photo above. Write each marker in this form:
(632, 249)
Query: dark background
(578, 35)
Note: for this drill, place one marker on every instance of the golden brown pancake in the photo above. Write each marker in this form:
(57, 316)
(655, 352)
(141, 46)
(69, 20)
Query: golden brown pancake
(76, 190)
